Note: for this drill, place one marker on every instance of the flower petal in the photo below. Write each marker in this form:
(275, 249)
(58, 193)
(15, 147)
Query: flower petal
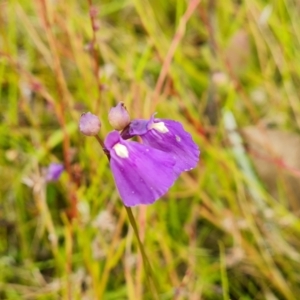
(176, 141)
(136, 127)
(168, 136)
(142, 174)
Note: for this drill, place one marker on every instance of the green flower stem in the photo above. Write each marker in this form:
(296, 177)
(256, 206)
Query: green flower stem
(148, 269)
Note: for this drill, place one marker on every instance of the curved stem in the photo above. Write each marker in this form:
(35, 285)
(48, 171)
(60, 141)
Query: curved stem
(148, 269)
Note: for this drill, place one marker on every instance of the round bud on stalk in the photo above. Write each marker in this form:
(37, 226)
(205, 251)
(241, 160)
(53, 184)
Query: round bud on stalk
(89, 124)
(118, 117)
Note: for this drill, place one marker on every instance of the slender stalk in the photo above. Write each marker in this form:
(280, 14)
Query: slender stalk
(64, 102)
(95, 52)
(172, 49)
(148, 269)
(99, 141)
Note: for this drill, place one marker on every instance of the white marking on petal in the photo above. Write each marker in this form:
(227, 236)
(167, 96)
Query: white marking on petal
(178, 139)
(160, 127)
(121, 150)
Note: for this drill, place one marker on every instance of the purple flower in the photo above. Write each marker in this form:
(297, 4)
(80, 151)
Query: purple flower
(54, 171)
(142, 174)
(168, 136)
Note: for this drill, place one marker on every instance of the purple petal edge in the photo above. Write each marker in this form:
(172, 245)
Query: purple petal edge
(177, 142)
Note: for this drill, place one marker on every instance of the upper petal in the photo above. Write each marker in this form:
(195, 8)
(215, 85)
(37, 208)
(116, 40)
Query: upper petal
(136, 127)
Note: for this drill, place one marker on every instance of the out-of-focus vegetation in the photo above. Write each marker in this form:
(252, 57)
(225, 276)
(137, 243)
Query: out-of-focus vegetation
(223, 231)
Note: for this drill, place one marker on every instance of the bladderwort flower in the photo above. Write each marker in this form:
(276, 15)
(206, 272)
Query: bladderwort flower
(54, 171)
(168, 136)
(145, 172)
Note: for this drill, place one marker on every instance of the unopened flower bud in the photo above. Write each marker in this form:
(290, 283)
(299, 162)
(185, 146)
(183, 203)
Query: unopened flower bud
(89, 124)
(118, 117)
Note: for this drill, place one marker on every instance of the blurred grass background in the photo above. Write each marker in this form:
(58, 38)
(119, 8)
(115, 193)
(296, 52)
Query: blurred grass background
(222, 231)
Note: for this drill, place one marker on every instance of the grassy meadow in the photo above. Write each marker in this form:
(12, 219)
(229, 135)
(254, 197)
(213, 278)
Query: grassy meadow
(229, 71)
